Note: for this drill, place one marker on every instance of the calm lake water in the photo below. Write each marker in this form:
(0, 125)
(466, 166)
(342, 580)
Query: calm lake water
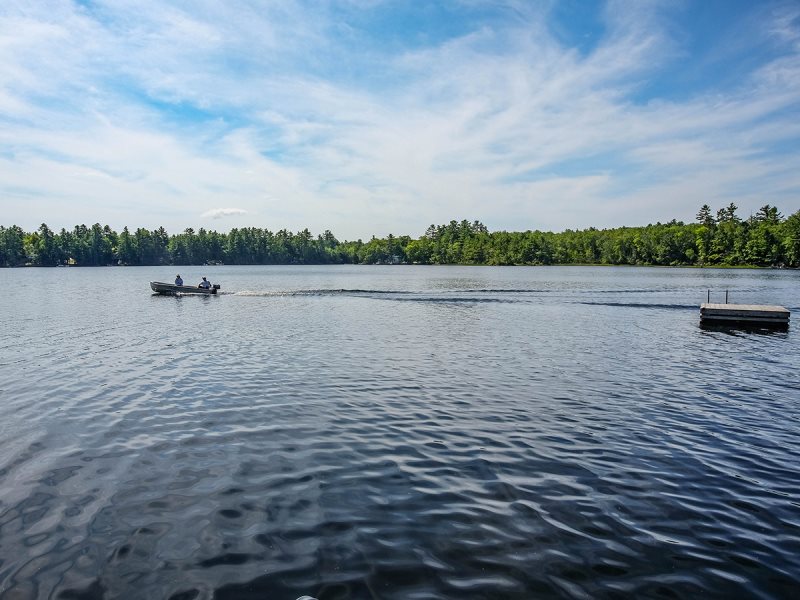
(396, 432)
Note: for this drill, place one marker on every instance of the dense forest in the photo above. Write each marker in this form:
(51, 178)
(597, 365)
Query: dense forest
(764, 239)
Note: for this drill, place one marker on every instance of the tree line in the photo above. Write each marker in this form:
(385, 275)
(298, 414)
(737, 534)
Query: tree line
(716, 239)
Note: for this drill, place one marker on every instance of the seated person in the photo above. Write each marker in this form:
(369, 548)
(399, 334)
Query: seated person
(205, 284)
(178, 280)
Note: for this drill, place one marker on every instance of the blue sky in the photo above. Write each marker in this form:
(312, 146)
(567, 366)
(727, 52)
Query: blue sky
(369, 116)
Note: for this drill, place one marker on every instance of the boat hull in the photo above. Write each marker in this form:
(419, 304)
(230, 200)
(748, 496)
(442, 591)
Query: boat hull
(170, 289)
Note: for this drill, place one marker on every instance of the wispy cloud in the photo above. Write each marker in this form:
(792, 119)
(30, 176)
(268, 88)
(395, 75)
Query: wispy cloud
(219, 213)
(333, 117)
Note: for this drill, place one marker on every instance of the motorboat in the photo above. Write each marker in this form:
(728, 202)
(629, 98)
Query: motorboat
(170, 289)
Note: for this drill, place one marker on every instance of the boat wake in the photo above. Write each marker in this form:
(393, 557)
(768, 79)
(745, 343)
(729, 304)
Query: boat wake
(449, 296)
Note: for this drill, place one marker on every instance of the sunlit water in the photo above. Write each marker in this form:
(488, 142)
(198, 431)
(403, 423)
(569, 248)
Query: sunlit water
(396, 432)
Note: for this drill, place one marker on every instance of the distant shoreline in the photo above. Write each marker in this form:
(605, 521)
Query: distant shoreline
(763, 240)
(726, 267)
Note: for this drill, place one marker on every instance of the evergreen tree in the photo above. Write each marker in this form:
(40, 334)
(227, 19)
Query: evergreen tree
(764, 239)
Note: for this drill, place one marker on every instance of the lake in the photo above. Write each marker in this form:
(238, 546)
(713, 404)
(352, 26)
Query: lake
(397, 432)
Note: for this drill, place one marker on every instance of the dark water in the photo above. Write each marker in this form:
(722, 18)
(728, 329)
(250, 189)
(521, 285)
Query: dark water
(396, 432)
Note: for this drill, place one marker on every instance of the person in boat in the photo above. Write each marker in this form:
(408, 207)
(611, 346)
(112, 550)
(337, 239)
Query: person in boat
(178, 280)
(205, 284)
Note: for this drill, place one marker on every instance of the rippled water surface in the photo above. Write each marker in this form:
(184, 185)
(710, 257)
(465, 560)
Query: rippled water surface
(396, 432)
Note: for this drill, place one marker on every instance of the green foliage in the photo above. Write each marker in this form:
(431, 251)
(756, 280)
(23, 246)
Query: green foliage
(764, 239)
(790, 239)
(12, 246)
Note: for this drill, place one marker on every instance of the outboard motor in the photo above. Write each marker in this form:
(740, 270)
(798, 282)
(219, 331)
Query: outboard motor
(214, 288)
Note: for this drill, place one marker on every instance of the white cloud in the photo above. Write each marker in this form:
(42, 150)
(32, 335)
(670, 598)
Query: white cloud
(218, 213)
(142, 114)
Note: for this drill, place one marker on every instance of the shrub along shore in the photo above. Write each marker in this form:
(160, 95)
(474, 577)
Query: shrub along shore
(765, 239)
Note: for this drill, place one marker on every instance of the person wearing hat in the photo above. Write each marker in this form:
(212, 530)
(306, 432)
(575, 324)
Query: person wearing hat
(178, 280)
(205, 284)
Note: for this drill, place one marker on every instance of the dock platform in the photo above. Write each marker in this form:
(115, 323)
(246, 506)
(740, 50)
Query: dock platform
(755, 314)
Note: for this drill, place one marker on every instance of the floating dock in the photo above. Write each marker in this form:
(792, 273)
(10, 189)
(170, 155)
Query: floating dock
(744, 314)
